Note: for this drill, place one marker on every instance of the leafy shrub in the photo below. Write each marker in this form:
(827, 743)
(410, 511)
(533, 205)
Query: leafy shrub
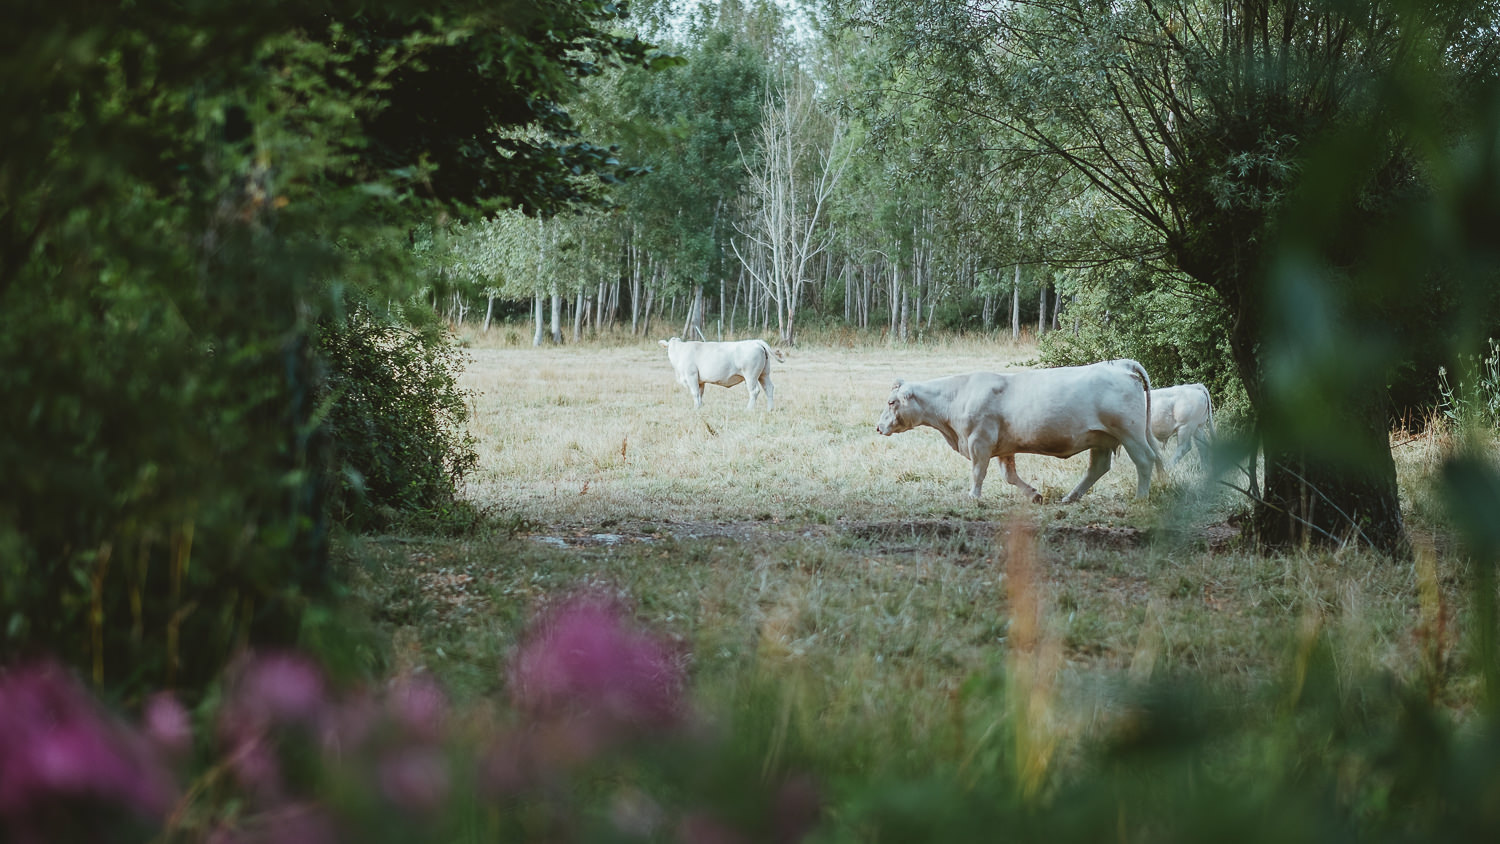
(1476, 400)
(396, 418)
(1178, 339)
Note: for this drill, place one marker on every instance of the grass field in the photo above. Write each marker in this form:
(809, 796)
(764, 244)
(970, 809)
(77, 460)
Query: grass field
(803, 544)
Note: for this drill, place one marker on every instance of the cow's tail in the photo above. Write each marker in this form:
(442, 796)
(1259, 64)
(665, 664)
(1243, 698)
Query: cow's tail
(1212, 431)
(771, 353)
(1140, 374)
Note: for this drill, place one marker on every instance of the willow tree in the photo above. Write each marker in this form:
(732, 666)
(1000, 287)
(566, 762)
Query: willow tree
(1200, 123)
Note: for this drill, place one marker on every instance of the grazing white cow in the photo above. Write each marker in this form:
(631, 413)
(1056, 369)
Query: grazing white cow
(726, 364)
(1186, 410)
(1058, 412)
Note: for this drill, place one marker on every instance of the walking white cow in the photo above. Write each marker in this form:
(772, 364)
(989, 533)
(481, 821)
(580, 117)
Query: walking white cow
(1186, 410)
(1058, 412)
(726, 364)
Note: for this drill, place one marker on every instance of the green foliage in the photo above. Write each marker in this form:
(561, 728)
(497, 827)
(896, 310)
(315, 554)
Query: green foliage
(1476, 398)
(188, 193)
(395, 417)
(1178, 337)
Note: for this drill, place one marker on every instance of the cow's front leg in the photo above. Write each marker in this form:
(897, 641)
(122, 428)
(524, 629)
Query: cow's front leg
(1015, 479)
(1098, 465)
(695, 387)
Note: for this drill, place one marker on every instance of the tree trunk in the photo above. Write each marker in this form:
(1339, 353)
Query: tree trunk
(489, 311)
(1312, 496)
(1015, 306)
(1041, 317)
(536, 299)
(904, 327)
(599, 308)
(694, 322)
(578, 312)
(1312, 501)
(556, 318)
(646, 311)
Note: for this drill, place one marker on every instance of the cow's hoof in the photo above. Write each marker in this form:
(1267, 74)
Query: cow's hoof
(1036, 498)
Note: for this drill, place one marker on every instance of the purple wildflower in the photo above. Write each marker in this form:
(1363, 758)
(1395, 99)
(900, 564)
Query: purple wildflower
(58, 745)
(348, 724)
(417, 705)
(582, 660)
(414, 777)
(278, 688)
(167, 723)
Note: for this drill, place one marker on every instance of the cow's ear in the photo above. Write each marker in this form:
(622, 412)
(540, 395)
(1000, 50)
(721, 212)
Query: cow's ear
(661, 342)
(897, 385)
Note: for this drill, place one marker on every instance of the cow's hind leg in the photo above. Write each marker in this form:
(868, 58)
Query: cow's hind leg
(1185, 439)
(1145, 459)
(1015, 479)
(765, 386)
(1098, 465)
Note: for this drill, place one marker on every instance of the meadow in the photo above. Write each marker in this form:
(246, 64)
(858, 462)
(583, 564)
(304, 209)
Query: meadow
(851, 573)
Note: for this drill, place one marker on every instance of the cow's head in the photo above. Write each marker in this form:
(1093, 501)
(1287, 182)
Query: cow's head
(667, 344)
(894, 419)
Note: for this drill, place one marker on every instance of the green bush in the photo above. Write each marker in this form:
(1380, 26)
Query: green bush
(1179, 339)
(396, 418)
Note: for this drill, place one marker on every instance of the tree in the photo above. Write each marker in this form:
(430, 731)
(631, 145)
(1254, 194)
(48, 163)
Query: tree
(801, 163)
(1197, 122)
(199, 205)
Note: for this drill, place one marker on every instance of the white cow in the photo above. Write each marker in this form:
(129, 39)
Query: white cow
(1186, 410)
(1058, 412)
(726, 364)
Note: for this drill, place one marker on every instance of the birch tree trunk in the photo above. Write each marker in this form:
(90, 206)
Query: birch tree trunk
(1015, 306)
(1041, 317)
(536, 298)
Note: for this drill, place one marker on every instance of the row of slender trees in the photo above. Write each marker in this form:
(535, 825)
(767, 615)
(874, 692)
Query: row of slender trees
(771, 196)
(1287, 167)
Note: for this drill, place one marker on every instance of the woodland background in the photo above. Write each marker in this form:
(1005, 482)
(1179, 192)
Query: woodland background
(243, 246)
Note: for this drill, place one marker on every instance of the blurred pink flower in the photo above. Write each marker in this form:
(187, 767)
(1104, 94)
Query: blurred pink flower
(581, 659)
(293, 823)
(349, 723)
(418, 705)
(266, 691)
(58, 745)
(167, 723)
(281, 688)
(414, 778)
(254, 765)
(506, 767)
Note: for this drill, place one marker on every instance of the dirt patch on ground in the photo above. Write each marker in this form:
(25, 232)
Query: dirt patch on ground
(1097, 535)
(895, 537)
(904, 531)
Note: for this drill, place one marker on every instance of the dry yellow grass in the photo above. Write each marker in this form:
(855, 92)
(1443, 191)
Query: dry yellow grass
(803, 543)
(581, 434)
